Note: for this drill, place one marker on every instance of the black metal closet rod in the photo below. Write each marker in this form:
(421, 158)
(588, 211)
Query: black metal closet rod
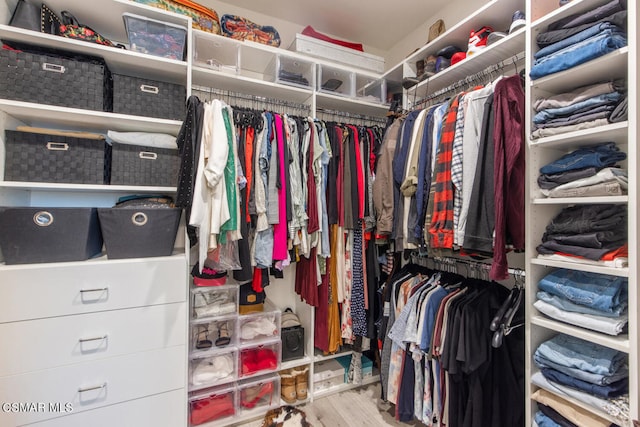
(516, 272)
(248, 97)
(347, 114)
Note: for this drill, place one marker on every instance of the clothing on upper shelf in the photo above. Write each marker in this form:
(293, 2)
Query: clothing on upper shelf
(570, 48)
(581, 108)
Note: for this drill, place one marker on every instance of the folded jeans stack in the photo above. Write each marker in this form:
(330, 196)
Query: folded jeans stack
(582, 108)
(593, 301)
(585, 172)
(585, 371)
(580, 38)
(588, 234)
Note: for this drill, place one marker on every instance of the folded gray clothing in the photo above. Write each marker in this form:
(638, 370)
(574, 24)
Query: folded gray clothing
(604, 176)
(145, 139)
(620, 113)
(573, 121)
(603, 189)
(552, 180)
(553, 36)
(589, 17)
(577, 95)
(544, 132)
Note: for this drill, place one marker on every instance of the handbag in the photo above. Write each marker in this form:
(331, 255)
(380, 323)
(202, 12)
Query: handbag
(72, 29)
(36, 18)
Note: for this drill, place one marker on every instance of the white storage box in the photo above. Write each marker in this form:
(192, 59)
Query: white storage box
(292, 71)
(259, 327)
(211, 334)
(260, 359)
(259, 394)
(213, 368)
(327, 374)
(336, 81)
(215, 404)
(216, 52)
(371, 89)
(322, 49)
(214, 301)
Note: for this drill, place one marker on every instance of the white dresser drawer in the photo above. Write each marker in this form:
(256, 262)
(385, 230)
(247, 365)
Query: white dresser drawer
(57, 341)
(94, 384)
(47, 290)
(163, 410)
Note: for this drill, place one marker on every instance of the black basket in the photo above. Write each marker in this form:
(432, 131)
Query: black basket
(149, 98)
(31, 235)
(35, 157)
(53, 77)
(139, 232)
(137, 165)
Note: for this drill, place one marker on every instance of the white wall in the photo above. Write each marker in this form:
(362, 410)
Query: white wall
(455, 12)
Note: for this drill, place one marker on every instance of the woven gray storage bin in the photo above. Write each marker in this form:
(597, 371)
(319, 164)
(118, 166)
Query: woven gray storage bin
(137, 165)
(149, 98)
(37, 157)
(31, 234)
(58, 78)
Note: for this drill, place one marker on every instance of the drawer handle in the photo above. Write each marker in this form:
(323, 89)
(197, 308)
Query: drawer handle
(54, 67)
(148, 155)
(83, 340)
(43, 218)
(139, 219)
(57, 146)
(97, 387)
(94, 290)
(149, 89)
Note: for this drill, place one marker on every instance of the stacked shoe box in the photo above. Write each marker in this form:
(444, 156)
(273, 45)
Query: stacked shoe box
(213, 360)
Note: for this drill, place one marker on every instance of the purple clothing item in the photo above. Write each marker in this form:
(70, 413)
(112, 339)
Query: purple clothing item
(509, 169)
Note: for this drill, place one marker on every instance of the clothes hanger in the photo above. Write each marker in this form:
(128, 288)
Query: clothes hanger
(512, 305)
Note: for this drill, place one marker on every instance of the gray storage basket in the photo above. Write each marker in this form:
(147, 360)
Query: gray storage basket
(32, 235)
(51, 77)
(34, 157)
(139, 232)
(137, 165)
(149, 98)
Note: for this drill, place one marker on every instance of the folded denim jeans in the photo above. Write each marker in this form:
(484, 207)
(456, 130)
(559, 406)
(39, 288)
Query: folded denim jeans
(544, 421)
(599, 156)
(605, 391)
(577, 54)
(543, 362)
(576, 95)
(610, 98)
(604, 176)
(578, 353)
(595, 239)
(595, 29)
(550, 37)
(566, 305)
(599, 291)
(606, 325)
(584, 114)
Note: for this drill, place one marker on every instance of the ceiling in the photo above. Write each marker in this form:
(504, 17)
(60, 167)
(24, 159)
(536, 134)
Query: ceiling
(376, 23)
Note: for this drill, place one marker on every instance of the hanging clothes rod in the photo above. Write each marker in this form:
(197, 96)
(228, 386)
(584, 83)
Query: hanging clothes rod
(248, 97)
(467, 81)
(516, 272)
(338, 113)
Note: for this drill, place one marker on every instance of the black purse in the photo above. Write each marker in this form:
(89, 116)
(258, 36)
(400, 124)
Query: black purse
(35, 18)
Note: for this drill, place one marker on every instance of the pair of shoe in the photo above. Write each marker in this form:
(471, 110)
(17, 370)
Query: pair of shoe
(251, 396)
(202, 336)
(294, 384)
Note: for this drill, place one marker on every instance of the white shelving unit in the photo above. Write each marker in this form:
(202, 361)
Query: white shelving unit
(621, 63)
(107, 336)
